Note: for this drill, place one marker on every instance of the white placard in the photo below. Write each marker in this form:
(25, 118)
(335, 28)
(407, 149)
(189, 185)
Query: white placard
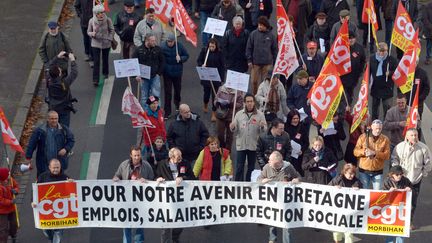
(296, 149)
(322, 45)
(126, 68)
(215, 26)
(208, 73)
(238, 81)
(145, 71)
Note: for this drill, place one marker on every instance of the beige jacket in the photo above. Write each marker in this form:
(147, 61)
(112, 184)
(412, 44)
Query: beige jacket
(247, 129)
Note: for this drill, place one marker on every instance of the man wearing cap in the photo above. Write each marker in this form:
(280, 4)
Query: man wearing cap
(261, 52)
(415, 159)
(344, 15)
(271, 98)
(300, 11)
(358, 61)
(319, 32)
(313, 61)
(381, 80)
(297, 96)
(332, 8)
(54, 42)
(149, 25)
(372, 150)
(172, 72)
(125, 25)
(84, 10)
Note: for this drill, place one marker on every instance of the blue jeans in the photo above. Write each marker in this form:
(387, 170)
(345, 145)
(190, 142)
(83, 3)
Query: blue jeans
(54, 235)
(392, 239)
(388, 31)
(138, 238)
(286, 236)
(203, 19)
(368, 178)
(241, 160)
(150, 87)
(428, 48)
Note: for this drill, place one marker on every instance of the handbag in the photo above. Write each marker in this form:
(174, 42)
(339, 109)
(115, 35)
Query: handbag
(222, 112)
(114, 44)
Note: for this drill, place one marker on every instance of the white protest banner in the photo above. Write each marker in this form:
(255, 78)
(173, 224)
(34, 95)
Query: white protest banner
(126, 67)
(145, 71)
(208, 73)
(215, 26)
(104, 203)
(236, 80)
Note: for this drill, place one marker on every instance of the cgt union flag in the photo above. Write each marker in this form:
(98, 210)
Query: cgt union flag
(286, 60)
(403, 30)
(132, 107)
(413, 115)
(369, 16)
(339, 54)
(361, 107)
(7, 133)
(282, 20)
(404, 73)
(164, 11)
(325, 95)
(181, 18)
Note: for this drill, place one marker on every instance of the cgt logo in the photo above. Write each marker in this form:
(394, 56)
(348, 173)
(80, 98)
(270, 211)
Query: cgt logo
(387, 212)
(57, 205)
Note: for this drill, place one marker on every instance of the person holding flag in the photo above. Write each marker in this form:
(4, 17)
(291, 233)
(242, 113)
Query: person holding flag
(421, 76)
(344, 16)
(8, 219)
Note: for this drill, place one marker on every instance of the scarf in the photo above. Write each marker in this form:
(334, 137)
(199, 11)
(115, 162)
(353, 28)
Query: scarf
(273, 98)
(380, 64)
(237, 32)
(153, 113)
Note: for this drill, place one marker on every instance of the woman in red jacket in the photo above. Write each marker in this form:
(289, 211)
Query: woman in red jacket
(155, 115)
(8, 220)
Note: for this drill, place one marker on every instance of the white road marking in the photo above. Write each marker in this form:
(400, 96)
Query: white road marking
(93, 166)
(104, 101)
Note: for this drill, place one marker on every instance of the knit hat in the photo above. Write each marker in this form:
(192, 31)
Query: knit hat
(98, 9)
(52, 24)
(302, 74)
(397, 169)
(152, 99)
(4, 174)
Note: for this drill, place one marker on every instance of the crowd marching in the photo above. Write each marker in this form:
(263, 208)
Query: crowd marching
(270, 127)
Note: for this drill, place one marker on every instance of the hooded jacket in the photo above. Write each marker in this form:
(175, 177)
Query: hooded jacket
(261, 48)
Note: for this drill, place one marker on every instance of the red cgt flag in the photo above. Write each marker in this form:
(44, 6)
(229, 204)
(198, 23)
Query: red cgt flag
(361, 107)
(403, 30)
(369, 16)
(164, 11)
(404, 74)
(281, 18)
(286, 60)
(182, 22)
(132, 107)
(7, 133)
(339, 54)
(325, 95)
(413, 115)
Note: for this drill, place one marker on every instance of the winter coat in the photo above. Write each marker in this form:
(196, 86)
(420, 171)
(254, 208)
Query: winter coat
(189, 136)
(64, 140)
(333, 142)
(427, 20)
(104, 32)
(297, 97)
(172, 68)
(415, 160)
(381, 88)
(260, 8)
(215, 59)
(51, 46)
(224, 13)
(142, 29)
(59, 93)
(205, 5)
(340, 180)
(125, 25)
(286, 173)
(247, 129)
(358, 61)
(159, 155)
(304, 9)
(234, 49)
(336, 27)
(313, 64)
(152, 57)
(6, 196)
(125, 170)
(204, 164)
(184, 170)
(158, 130)
(375, 164)
(267, 143)
(421, 74)
(402, 184)
(313, 173)
(262, 95)
(225, 99)
(48, 177)
(329, 7)
(391, 123)
(84, 10)
(261, 48)
(387, 9)
(317, 32)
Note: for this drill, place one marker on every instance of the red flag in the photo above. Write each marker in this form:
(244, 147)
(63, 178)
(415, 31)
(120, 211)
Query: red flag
(403, 76)
(7, 133)
(286, 60)
(339, 54)
(281, 18)
(413, 115)
(132, 107)
(403, 30)
(360, 108)
(369, 16)
(325, 95)
(164, 11)
(181, 21)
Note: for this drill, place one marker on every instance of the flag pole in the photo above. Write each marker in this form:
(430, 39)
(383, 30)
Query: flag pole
(175, 36)
(234, 105)
(151, 144)
(297, 47)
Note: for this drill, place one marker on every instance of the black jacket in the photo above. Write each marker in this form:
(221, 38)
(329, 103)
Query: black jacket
(84, 10)
(332, 142)
(125, 25)
(48, 177)
(380, 87)
(183, 168)
(189, 136)
(215, 59)
(329, 7)
(358, 61)
(313, 64)
(421, 74)
(389, 183)
(313, 173)
(205, 5)
(234, 49)
(340, 180)
(152, 57)
(316, 32)
(267, 143)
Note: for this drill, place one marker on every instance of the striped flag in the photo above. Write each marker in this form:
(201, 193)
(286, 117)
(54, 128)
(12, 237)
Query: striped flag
(8, 135)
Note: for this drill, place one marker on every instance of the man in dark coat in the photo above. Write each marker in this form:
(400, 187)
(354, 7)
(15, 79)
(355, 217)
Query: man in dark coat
(422, 76)
(84, 10)
(125, 24)
(427, 31)
(234, 46)
(332, 8)
(188, 133)
(313, 61)
(319, 32)
(54, 42)
(300, 11)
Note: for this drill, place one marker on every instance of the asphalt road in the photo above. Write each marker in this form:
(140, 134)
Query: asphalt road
(101, 144)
